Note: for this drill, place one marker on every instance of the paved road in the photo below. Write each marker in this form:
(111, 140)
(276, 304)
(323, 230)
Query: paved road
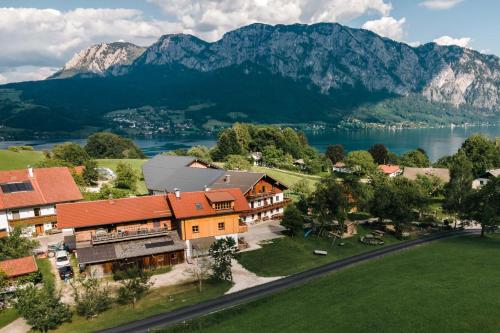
(246, 295)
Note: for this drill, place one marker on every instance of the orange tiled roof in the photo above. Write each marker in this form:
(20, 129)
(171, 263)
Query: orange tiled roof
(197, 204)
(389, 168)
(50, 186)
(17, 267)
(103, 212)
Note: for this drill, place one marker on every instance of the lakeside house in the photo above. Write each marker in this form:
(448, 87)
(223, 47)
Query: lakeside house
(485, 178)
(28, 198)
(150, 231)
(390, 170)
(441, 173)
(164, 174)
(341, 168)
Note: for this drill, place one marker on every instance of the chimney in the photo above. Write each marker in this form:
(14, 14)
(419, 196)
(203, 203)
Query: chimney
(227, 178)
(30, 171)
(207, 188)
(177, 193)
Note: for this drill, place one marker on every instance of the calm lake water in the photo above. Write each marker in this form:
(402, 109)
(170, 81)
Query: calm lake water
(437, 142)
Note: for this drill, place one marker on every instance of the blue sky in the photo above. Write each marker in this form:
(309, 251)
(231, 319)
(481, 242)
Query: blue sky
(39, 36)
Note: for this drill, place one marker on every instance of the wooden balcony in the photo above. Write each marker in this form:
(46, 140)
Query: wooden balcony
(262, 195)
(267, 207)
(118, 236)
(33, 220)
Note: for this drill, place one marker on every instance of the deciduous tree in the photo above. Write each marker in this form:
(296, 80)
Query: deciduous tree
(91, 297)
(223, 251)
(335, 153)
(16, 246)
(126, 177)
(379, 153)
(483, 205)
(361, 163)
(293, 220)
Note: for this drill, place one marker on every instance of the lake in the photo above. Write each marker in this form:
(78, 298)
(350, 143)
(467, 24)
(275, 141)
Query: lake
(437, 142)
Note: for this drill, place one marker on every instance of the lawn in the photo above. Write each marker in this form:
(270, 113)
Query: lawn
(446, 286)
(287, 255)
(289, 178)
(135, 163)
(157, 301)
(7, 316)
(44, 266)
(10, 160)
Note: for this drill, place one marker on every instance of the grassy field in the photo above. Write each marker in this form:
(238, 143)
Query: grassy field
(10, 160)
(157, 301)
(446, 286)
(289, 178)
(285, 256)
(47, 276)
(7, 316)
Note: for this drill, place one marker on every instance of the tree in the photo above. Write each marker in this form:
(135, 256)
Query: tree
(361, 163)
(134, 286)
(398, 199)
(293, 220)
(90, 174)
(91, 298)
(431, 184)
(335, 153)
(272, 156)
(70, 152)
(237, 162)
(302, 187)
(460, 185)
(482, 152)
(16, 246)
(444, 162)
(379, 153)
(200, 270)
(109, 145)
(41, 309)
(126, 177)
(483, 205)
(332, 200)
(200, 152)
(223, 251)
(415, 159)
(228, 144)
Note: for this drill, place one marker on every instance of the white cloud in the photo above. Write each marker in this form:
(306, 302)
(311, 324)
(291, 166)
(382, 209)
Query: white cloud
(447, 40)
(414, 43)
(387, 26)
(48, 37)
(210, 19)
(440, 4)
(26, 73)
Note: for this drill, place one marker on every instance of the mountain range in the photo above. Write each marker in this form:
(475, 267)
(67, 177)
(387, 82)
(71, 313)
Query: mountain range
(323, 73)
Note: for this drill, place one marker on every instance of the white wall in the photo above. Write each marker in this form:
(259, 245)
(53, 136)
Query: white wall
(3, 220)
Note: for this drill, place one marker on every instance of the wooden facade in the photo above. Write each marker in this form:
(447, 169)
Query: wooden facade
(209, 226)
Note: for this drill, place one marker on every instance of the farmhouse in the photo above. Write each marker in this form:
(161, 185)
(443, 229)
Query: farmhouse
(264, 194)
(28, 198)
(150, 231)
(390, 170)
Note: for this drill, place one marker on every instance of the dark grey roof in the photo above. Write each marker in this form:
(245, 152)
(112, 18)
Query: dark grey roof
(240, 179)
(148, 246)
(96, 254)
(166, 173)
(130, 249)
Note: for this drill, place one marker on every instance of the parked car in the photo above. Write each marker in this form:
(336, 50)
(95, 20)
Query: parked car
(62, 259)
(65, 273)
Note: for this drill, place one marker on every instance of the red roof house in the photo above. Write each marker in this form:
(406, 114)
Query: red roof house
(197, 204)
(390, 170)
(18, 267)
(112, 211)
(37, 187)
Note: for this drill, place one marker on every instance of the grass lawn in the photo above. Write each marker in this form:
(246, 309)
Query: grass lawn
(135, 163)
(289, 178)
(446, 286)
(7, 316)
(10, 160)
(47, 276)
(287, 255)
(157, 301)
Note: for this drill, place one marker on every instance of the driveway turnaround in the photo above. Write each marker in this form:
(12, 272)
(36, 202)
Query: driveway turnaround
(246, 295)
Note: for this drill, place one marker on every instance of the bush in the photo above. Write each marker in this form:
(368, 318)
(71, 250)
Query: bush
(35, 278)
(126, 177)
(91, 298)
(134, 286)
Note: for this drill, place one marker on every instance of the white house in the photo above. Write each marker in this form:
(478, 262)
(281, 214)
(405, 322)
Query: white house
(28, 198)
(485, 178)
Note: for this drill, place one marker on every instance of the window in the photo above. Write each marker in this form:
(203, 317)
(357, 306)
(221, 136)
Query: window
(37, 211)
(223, 205)
(263, 189)
(196, 229)
(16, 215)
(221, 226)
(173, 255)
(198, 206)
(277, 198)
